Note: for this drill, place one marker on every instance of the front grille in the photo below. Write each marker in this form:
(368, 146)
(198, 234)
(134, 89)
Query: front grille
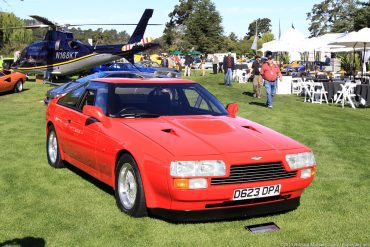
(253, 173)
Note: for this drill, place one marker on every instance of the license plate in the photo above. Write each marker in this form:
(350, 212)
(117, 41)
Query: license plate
(256, 192)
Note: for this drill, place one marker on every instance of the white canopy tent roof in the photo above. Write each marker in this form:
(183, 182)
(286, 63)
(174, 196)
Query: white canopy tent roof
(286, 43)
(360, 39)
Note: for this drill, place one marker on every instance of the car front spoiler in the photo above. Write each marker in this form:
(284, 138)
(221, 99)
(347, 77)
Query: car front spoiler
(225, 213)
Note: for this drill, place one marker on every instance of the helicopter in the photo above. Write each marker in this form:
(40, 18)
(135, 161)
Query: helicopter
(59, 54)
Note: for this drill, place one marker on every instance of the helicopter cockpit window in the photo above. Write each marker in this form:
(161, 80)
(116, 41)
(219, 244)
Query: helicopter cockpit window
(73, 44)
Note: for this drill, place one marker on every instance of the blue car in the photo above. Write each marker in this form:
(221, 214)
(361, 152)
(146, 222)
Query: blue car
(144, 68)
(123, 67)
(69, 86)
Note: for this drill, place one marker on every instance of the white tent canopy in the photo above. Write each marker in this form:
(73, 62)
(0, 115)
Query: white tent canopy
(360, 39)
(286, 43)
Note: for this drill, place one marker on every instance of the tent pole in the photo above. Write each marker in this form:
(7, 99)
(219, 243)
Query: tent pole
(353, 64)
(363, 61)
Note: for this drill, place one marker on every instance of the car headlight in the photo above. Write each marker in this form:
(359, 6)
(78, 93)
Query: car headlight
(198, 168)
(300, 160)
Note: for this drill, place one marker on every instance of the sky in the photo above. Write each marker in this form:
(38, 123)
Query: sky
(236, 14)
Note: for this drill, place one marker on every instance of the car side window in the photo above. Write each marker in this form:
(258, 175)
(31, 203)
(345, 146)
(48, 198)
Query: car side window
(96, 96)
(196, 100)
(1, 74)
(72, 98)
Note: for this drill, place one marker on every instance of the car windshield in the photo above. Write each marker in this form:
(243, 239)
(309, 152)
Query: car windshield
(91, 77)
(139, 65)
(167, 99)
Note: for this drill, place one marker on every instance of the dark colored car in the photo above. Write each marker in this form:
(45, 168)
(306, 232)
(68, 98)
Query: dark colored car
(169, 72)
(69, 86)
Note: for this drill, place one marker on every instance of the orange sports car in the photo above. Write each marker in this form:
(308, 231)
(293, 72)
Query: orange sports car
(11, 81)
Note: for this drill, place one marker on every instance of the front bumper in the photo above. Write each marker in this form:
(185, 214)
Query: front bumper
(283, 205)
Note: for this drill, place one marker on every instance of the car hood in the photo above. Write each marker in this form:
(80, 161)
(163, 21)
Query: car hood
(208, 135)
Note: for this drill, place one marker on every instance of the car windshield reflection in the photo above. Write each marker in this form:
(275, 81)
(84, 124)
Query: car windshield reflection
(154, 100)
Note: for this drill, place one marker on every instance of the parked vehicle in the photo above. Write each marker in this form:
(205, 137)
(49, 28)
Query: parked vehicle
(11, 81)
(6, 62)
(69, 86)
(169, 72)
(196, 64)
(168, 147)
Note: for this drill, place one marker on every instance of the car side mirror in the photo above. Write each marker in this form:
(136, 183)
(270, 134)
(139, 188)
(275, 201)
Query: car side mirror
(232, 109)
(8, 79)
(94, 112)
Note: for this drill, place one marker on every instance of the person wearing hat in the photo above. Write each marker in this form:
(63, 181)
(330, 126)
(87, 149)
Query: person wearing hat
(257, 79)
(229, 66)
(270, 72)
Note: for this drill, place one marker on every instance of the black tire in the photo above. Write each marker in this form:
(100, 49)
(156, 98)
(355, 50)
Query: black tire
(52, 149)
(18, 87)
(127, 175)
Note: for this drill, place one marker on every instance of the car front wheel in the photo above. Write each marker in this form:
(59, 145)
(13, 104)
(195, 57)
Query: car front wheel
(52, 149)
(129, 190)
(18, 86)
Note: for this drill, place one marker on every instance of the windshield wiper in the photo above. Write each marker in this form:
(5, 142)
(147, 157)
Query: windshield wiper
(139, 115)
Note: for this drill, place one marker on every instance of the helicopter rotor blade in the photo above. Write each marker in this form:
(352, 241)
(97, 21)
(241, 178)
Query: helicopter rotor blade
(26, 27)
(44, 21)
(108, 24)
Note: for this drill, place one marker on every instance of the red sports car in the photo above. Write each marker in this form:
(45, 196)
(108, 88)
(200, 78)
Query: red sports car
(168, 147)
(11, 81)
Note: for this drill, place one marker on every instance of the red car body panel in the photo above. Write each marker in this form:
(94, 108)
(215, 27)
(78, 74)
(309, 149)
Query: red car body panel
(95, 147)
(14, 76)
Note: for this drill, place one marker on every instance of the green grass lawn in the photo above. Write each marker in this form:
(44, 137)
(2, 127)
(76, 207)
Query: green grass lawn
(61, 208)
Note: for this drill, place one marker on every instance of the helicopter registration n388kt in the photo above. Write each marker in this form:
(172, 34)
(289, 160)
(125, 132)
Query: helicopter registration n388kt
(60, 54)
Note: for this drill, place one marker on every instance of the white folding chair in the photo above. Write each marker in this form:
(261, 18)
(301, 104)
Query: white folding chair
(241, 76)
(297, 85)
(319, 93)
(307, 88)
(346, 94)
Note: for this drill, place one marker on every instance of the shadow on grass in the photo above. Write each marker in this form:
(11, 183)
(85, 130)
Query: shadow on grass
(24, 242)
(11, 92)
(104, 187)
(231, 219)
(258, 104)
(248, 94)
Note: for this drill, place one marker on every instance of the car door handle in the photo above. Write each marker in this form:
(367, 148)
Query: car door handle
(69, 121)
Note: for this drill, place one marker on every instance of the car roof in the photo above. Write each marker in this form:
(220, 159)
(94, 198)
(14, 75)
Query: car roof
(143, 80)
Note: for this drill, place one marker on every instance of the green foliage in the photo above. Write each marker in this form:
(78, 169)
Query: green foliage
(284, 57)
(362, 16)
(346, 60)
(100, 36)
(263, 26)
(332, 16)
(194, 25)
(11, 39)
(267, 37)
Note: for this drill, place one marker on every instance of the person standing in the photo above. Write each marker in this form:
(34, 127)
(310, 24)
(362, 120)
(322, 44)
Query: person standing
(257, 78)
(188, 62)
(270, 72)
(229, 66)
(214, 64)
(203, 64)
(220, 65)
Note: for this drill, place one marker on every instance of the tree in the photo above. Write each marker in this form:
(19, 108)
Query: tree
(362, 16)
(332, 16)
(203, 27)
(194, 24)
(12, 40)
(263, 26)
